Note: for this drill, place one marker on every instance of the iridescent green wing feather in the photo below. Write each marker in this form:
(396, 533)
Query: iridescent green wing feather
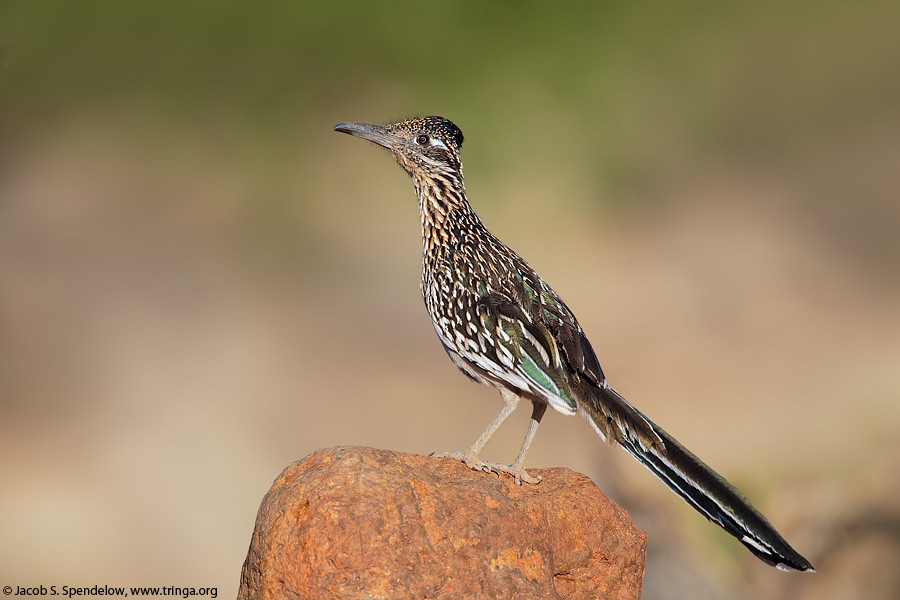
(546, 307)
(527, 348)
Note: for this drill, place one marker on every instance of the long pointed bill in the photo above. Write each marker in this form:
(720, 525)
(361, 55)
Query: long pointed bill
(373, 133)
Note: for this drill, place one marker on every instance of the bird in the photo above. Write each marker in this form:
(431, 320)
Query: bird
(504, 326)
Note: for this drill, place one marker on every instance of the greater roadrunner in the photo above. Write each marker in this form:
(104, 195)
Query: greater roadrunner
(503, 326)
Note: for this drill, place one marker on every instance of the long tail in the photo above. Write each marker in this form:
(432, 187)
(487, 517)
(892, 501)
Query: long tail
(689, 477)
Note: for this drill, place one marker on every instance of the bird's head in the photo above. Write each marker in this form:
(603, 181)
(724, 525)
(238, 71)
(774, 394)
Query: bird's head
(423, 146)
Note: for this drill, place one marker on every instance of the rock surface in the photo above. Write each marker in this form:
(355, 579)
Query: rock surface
(353, 522)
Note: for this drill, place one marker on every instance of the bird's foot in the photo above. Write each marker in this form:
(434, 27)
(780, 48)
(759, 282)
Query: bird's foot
(470, 458)
(517, 470)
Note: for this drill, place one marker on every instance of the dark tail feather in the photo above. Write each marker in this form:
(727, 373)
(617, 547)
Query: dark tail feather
(689, 477)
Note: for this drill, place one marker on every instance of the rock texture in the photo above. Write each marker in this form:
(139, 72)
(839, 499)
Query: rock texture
(354, 523)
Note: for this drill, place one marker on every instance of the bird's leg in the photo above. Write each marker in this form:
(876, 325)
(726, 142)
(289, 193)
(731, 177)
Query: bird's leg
(470, 456)
(517, 469)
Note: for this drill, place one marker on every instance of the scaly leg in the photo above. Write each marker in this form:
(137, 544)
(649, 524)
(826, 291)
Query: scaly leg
(517, 469)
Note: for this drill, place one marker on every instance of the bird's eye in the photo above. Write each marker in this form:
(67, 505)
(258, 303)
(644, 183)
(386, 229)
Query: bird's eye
(422, 139)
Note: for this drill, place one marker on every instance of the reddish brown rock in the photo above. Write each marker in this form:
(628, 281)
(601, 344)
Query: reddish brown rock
(354, 522)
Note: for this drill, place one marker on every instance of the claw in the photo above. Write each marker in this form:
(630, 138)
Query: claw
(517, 471)
(470, 459)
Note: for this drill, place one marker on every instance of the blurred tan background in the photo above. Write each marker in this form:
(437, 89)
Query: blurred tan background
(200, 282)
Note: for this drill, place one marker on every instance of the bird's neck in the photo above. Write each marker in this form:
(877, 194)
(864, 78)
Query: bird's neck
(444, 210)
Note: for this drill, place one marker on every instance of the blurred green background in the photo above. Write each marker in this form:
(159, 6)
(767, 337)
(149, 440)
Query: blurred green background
(200, 282)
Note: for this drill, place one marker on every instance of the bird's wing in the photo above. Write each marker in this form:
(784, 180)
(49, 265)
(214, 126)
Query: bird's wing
(544, 306)
(527, 348)
(612, 416)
